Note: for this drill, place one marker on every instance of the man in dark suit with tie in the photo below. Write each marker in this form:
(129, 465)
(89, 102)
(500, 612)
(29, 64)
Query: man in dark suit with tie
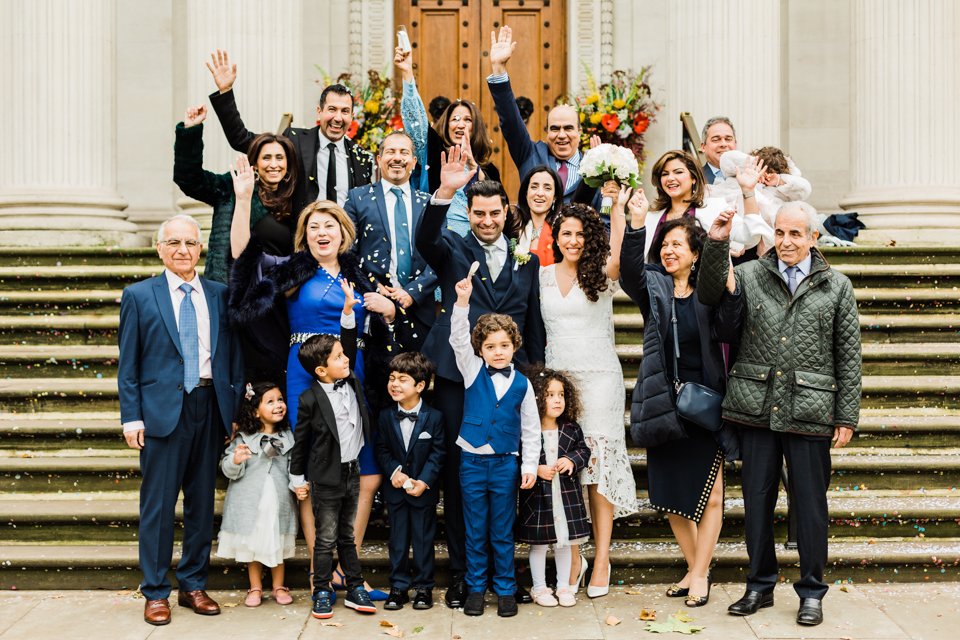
(717, 137)
(180, 379)
(560, 151)
(386, 215)
(505, 284)
(318, 148)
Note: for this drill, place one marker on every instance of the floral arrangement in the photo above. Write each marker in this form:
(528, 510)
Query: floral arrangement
(376, 110)
(609, 162)
(619, 111)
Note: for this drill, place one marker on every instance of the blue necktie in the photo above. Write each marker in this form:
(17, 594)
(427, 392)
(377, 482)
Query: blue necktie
(791, 273)
(402, 230)
(189, 340)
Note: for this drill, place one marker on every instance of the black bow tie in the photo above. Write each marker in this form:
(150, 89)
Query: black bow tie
(505, 372)
(406, 415)
(339, 383)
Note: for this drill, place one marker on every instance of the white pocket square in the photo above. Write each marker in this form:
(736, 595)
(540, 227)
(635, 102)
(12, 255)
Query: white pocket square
(424, 435)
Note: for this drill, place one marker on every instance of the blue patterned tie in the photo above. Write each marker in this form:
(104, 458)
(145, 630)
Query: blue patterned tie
(189, 340)
(402, 230)
(791, 273)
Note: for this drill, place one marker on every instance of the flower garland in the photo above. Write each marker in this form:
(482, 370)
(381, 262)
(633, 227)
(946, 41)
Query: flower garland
(375, 108)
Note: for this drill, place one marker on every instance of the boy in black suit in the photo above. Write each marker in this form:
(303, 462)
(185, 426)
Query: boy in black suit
(410, 451)
(333, 414)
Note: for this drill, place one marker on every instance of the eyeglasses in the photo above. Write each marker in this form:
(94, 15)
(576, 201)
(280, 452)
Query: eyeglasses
(175, 244)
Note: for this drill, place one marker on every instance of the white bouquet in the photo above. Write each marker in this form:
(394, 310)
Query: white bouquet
(609, 162)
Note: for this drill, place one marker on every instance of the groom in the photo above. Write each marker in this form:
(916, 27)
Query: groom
(503, 284)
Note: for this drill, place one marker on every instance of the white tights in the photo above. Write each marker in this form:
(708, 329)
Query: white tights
(538, 565)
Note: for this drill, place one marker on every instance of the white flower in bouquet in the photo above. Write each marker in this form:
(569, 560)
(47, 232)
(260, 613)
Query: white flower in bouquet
(609, 162)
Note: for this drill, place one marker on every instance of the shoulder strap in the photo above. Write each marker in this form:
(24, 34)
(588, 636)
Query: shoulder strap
(676, 345)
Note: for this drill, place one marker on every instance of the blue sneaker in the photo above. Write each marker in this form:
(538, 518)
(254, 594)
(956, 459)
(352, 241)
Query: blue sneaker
(358, 599)
(378, 596)
(322, 607)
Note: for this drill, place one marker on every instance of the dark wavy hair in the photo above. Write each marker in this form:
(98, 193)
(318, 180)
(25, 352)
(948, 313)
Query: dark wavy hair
(414, 364)
(247, 422)
(663, 201)
(338, 89)
(278, 202)
(592, 266)
(696, 237)
(541, 378)
(480, 144)
(522, 210)
(486, 189)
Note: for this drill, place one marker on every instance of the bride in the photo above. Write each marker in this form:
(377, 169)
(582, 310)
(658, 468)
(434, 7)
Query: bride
(576, 297)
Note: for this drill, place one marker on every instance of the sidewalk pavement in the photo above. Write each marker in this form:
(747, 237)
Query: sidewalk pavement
(907, 611)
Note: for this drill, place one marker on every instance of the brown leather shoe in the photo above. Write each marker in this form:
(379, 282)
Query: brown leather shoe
(157, 612)
(199, 601)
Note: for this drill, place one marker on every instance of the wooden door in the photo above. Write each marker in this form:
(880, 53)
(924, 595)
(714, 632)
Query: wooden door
(451, 40)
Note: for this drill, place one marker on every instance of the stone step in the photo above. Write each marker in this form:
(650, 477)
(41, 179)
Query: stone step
(100, 301)
(114, 515)
(77, 256)
(102, 469)
(115, 566)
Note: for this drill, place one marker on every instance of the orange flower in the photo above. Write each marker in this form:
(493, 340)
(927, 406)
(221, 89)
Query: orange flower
(610, 122)
(352, 129)
(396, 123)
(640, 123)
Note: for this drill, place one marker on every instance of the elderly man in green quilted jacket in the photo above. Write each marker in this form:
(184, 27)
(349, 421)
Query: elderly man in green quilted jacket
(794, 387)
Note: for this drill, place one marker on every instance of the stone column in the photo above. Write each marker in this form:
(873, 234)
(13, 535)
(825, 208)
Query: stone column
(58, 183)
(264, 40)
(724, 59)
(906, 121)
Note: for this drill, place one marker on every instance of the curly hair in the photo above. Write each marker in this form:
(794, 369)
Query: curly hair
(247, 421)
(774, 158)
(592, 266)
(491, 323)
(541, 378)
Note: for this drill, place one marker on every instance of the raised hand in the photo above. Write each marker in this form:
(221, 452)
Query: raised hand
(595, 141)
(611, 189)
(243, 178)
(722, 224)
(349, 298)
(453, 173)
(638, 207)
(501, 49)
(464, 290)
(403, 61)
(748, 175)
(194, 116)
(224, 74)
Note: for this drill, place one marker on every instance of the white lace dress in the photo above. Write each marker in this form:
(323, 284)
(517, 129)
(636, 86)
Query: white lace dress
(580, 341)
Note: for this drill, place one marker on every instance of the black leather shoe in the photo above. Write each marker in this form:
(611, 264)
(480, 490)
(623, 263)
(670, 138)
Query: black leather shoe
(423, 599)
(506, 606)
(750, 603)
(522, 595)
(456, 594)
(810, 613)
(474, 604)
(396, 599)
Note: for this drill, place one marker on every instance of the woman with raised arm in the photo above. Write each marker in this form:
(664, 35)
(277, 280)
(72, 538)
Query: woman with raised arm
(576, 298)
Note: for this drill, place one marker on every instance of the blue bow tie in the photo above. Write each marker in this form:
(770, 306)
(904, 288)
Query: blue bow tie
(406, 415)
(505, 372)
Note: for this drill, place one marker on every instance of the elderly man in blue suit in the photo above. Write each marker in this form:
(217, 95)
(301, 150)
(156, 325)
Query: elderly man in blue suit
(180, 379)
(560, 151)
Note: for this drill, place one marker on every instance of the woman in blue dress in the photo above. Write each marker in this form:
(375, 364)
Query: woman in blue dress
(307, 284)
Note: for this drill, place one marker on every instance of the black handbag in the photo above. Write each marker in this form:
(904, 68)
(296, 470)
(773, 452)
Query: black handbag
(696, 403)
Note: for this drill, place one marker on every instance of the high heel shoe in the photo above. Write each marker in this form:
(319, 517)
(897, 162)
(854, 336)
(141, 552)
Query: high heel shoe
(597, 592)
(581, 579)
(676, 591)
(699, 601)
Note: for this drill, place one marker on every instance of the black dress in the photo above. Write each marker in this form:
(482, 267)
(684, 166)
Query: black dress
(681, 473)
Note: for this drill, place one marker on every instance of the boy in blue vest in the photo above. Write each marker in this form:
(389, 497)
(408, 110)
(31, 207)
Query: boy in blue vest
(499, 439)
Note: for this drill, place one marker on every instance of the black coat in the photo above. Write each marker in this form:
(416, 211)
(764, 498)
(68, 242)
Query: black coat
(451, 256)
(305, 141)
(653, 415)
(535, 521)
(422, 461)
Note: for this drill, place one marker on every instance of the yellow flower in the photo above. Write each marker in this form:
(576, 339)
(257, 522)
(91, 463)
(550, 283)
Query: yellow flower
(593, 98)
(583, 116)
(619, 104)
(595, 118)
(371, 106)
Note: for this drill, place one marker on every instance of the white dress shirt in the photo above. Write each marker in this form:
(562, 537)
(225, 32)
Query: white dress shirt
(803, 269)
(203, 326)
(406, 430)
(343, 169)
(390, 201)
(499, 251)
(471, 365)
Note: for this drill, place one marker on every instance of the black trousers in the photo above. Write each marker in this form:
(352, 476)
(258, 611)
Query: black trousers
(808, 465)
(334, 510)
(448, 399)
(411, 526)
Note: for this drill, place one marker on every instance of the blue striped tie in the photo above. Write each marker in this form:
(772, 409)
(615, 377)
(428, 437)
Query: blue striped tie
(189, 340)
(402, 229)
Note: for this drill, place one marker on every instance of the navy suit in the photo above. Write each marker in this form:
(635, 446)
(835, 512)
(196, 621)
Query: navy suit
(515, 293)
(182, 437)
(412, 520)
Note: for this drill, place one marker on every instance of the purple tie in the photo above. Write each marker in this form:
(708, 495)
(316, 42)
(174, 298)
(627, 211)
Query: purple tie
(563, 172)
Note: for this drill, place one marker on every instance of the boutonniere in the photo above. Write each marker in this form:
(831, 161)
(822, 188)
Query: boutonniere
(519, 257)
